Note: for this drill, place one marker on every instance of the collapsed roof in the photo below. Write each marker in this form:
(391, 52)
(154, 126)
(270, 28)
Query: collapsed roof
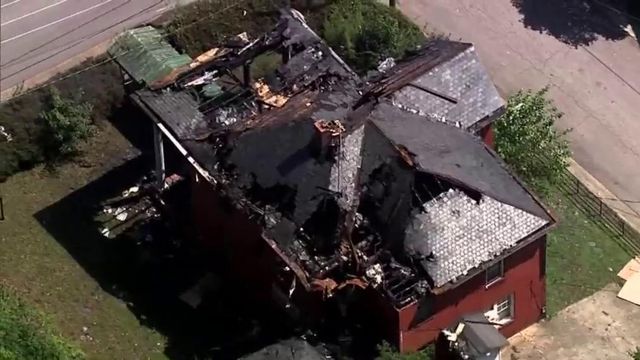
(354, 180)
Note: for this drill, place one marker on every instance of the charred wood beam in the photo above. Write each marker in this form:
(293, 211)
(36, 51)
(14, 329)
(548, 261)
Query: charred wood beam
(302, 276)
(433, 92)
(246, 73)
(263, 44)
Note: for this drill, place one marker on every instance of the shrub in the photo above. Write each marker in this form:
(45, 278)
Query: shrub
(635, 355)
(99, 85)
(68, 123)
(24, 334)
(528, 141)
(365, 32)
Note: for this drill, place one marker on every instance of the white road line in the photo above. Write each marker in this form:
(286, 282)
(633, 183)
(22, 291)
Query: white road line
(10, 3)
(33, 13)
(55, 22)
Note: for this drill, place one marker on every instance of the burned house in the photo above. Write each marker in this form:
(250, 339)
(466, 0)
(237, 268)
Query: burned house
(312, 181)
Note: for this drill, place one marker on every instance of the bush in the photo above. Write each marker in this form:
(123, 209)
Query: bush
(24, 334)
(387, 352)
(101, 86)
(635, 355)
(364, 32)
(68, 123)
(528, 141)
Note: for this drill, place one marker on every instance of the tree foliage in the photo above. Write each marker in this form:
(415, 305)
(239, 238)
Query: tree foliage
(387, 352)
(635, 355)
(24, 334)
(528, 141)
(364, 32)
(68, 123)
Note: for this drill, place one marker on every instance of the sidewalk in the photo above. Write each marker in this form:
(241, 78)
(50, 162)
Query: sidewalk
(596, 86)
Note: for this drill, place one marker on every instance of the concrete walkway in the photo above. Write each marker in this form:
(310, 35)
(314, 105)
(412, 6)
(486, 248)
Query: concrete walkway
(600, 327)
(596, 86)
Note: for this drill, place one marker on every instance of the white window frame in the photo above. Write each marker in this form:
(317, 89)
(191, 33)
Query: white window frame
(504, 304)
(488, 282)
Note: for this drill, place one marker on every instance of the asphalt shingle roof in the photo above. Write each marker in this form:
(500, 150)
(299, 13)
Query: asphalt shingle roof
(461, 234)
(462, 78)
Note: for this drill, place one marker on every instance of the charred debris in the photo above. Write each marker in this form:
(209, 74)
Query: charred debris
(325, 161)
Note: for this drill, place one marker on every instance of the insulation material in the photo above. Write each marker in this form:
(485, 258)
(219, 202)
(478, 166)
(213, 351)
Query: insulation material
(631, 290)
(631, 268)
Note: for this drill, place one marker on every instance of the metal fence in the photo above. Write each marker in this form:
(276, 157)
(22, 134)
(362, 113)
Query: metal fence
(601, 213)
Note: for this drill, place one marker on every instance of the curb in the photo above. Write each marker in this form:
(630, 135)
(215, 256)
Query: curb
(624, 211)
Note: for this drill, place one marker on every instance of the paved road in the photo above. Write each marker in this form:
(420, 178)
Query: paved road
(597, 86)
(36, 35)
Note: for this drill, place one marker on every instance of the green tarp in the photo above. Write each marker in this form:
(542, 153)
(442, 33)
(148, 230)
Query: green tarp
(145, 55)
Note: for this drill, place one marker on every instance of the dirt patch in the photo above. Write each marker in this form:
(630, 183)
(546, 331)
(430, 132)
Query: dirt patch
(598, 327)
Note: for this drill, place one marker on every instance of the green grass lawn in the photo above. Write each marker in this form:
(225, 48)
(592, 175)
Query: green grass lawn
(581, 257)
(25, 333)
(46, 275)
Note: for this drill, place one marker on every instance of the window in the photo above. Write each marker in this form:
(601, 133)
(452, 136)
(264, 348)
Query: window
(502, 311)
(494, 273)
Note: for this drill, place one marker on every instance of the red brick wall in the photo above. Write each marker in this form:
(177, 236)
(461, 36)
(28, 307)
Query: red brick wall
(523, 277)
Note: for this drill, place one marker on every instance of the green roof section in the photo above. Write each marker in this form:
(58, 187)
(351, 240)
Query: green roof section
(145, 55)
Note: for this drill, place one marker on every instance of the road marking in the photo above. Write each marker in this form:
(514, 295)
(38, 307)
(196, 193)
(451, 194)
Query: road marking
(10, 3)
(33, 13)
(54, 22)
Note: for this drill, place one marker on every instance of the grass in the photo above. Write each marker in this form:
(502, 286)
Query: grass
(25, 333)
(581, 257)
(46, 275)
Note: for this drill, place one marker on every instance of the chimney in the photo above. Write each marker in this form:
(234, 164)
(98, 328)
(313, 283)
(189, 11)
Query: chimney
(327, 137)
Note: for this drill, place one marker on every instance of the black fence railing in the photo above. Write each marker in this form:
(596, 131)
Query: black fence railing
(601, 213)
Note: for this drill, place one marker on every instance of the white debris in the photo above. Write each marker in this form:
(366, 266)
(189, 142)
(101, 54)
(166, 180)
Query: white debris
(5, 134)
(121, 214)
(387, 64)
(374, 274)
(105, 232)
(131, 190)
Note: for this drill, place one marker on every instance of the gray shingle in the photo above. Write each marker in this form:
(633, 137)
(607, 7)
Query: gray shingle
(463, 78)
(463, 234)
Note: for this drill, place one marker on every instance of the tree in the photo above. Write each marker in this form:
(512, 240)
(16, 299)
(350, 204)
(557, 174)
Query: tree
(68, 123)
(528, 141)
(635, 355)
(387, 352)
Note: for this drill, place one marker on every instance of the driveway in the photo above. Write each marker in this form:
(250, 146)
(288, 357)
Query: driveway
(600, 327)
(596, 85)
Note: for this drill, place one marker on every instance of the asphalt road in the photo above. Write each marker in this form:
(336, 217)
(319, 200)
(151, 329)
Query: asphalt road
(36, 35)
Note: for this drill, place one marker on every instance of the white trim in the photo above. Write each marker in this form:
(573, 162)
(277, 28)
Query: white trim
(184, 152)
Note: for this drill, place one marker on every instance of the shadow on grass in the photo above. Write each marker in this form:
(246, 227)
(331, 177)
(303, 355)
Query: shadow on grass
(150, 276)
(575, 22)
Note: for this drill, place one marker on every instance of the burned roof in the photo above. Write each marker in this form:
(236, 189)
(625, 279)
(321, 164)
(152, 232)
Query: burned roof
(453, 154)
(344, 179)
(444, 80)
